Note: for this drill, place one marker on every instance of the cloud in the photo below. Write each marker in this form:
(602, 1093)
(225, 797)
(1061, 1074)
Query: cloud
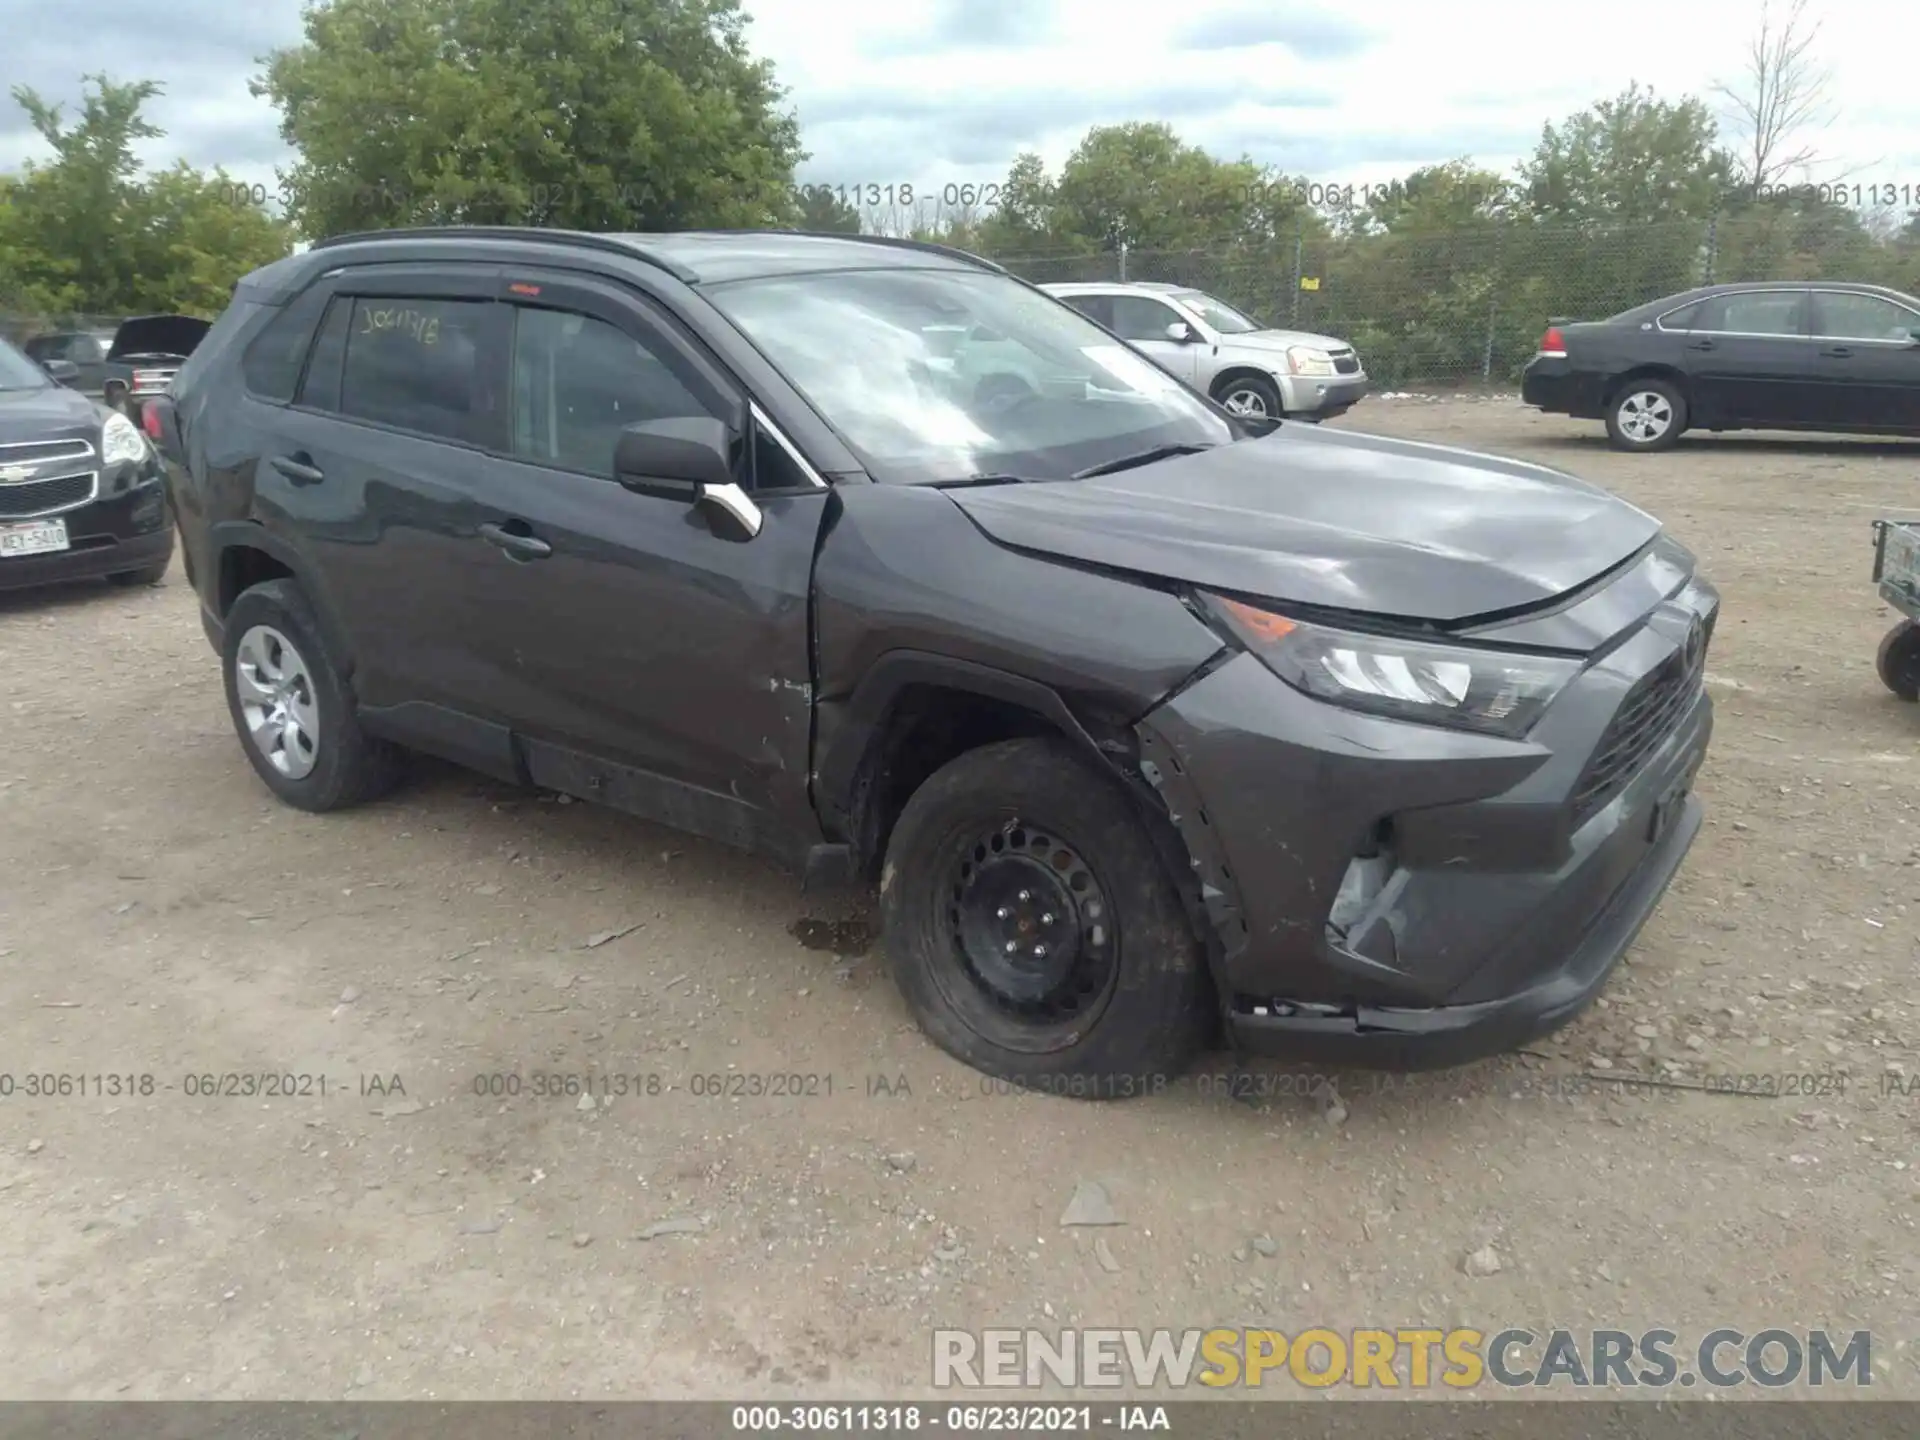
(1310, 34)
(201, 52)
(973, 25)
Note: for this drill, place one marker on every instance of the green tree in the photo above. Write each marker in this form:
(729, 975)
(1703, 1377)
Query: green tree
(591, 114)
(1632, 159)
(65, 217)
(825, 210)
(88, 232)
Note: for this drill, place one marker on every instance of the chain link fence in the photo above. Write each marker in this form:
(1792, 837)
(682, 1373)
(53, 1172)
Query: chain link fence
(1467, 307)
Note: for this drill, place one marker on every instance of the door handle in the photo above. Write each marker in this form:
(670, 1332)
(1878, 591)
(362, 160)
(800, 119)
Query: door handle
(1701, 345)
(1835, 352)
(297, 469)
(517, 546)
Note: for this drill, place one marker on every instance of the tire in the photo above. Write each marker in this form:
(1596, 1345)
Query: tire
(331, 763)
(1646, 415)
(145, 575)
(1122, 1006)
(1250, 391)
(1899, 660)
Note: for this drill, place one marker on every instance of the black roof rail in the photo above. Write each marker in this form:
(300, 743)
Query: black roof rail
(899, 241)
(585, 239)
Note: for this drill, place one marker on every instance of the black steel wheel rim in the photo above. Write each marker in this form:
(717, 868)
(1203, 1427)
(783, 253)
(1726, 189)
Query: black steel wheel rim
(1031, 930)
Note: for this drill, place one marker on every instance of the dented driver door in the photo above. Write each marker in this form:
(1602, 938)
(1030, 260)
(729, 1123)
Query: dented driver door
(655, 662)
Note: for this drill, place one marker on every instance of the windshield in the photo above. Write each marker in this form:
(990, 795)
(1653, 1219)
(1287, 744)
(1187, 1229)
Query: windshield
(17, 372)
(939, 375)
(1217, 313)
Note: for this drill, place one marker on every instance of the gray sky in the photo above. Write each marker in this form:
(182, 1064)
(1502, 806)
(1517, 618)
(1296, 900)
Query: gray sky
(939, 92)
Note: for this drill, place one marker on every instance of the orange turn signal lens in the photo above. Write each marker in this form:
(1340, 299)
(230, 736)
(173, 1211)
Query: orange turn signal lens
(1262, 624)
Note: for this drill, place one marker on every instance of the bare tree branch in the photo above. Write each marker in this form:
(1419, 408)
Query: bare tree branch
(1782, 93)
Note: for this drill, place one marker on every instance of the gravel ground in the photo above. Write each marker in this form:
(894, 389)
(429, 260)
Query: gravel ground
(404, 1235)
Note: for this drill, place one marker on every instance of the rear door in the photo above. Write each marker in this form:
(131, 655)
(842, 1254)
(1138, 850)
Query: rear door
(1749, 359)
(397, 408)
(1868, 360)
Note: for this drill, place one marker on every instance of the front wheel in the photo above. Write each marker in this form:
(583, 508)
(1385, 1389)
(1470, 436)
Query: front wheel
(1899, 660)
(1034, 931)
(1646, 415)
(1250, 397)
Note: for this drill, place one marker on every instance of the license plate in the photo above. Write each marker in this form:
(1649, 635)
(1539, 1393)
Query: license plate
(1668, 805)
(32, 537)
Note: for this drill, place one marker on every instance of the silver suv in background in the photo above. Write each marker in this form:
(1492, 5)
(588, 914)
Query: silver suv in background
(1250, 368)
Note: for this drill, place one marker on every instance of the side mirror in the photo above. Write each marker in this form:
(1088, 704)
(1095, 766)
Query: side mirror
(1181, 333)
(61, 372)
(687, 460)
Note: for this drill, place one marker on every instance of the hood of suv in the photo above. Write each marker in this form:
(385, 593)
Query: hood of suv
(158, 335)
(1335, 519)
(52, 412)
(1279, 340)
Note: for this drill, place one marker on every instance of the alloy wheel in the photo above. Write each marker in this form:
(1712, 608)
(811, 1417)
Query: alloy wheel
(277, 700)
(1645, 416)
(1247, 403)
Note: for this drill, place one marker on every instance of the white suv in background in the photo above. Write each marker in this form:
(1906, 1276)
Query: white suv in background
(1248, 367)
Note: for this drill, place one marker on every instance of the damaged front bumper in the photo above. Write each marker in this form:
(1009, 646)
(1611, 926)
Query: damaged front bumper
(1405, 897)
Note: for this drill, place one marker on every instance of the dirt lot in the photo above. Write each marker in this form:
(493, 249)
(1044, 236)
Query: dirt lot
(161, 915)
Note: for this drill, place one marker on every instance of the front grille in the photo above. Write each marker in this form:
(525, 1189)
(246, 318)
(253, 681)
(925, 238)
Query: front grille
(45, 497)
(1348, 364)
(1648, 715)
(43, 452)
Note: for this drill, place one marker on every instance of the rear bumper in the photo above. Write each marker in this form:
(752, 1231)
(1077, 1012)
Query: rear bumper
(1404, 896)
(127, 530)
(1550, 383)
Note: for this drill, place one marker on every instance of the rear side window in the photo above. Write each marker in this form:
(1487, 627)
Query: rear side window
(271, 366)
(416, 364)
(320, 390)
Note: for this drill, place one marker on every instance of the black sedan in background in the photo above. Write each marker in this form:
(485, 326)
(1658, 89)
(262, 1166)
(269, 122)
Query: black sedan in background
(80, 487)
(1803, 355)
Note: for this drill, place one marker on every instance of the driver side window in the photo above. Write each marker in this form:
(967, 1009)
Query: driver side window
(578, 382)
(1137, 318)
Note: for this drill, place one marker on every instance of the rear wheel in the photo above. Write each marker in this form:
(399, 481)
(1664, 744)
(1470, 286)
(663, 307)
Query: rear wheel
(292, 709)
(1646, 415)
(1034, 931)
(1899, 660)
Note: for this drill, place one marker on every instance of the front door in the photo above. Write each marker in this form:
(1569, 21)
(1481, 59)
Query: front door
(1748, 358)
(1143, 321)
(641, 657)
(1867, 350)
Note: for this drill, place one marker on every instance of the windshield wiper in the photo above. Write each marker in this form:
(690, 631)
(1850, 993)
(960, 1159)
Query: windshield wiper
(1143, 457)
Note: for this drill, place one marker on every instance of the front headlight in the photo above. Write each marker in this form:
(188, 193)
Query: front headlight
(1496, 692)
(120, 442)
(1306, 360)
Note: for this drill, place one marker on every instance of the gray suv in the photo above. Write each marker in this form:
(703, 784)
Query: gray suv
(1154, 727)
(1255, 370)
